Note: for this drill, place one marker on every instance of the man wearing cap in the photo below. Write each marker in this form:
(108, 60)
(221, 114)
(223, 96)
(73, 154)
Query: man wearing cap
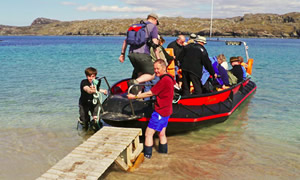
(193, 58)
(140, 56)
(192, 38)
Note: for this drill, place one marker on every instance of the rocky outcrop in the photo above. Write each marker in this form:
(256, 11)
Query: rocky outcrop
(249, 25)
(42, 21)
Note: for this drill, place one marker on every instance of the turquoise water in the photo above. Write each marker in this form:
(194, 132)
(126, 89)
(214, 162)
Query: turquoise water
(39, 94)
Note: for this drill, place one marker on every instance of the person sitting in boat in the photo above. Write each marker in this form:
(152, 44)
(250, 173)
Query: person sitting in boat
(222, 77)
(244, 65)
(219, 83)
(222, 69)
(222, 61)
(87, 89)
(237, 69)
(193, 58)
(164, 92)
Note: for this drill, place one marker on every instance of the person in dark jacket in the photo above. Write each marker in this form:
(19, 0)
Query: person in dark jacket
(193, 58)
(177, 47)
(236, 70)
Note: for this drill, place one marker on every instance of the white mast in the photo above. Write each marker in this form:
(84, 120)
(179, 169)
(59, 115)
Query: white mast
(211, 18)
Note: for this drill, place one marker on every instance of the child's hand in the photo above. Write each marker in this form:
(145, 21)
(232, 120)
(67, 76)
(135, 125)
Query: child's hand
(104, 91)
(93, 89)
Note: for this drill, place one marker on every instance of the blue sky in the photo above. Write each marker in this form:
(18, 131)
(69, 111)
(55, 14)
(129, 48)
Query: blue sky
(23, 12)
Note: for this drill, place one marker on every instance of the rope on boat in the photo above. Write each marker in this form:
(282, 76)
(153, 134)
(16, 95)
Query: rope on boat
(176, 101)
(97, 98)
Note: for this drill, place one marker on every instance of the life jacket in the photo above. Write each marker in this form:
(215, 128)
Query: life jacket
(171, 67)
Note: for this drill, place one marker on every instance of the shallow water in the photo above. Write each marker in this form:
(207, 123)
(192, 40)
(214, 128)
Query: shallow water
(40, 79)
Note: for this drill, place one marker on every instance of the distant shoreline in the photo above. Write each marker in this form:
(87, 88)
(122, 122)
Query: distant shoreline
(214, 37)
(247, 26)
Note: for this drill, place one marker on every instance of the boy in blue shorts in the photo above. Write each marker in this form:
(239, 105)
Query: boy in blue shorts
(164, 91)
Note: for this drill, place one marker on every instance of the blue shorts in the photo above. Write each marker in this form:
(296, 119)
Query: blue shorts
(157, 122)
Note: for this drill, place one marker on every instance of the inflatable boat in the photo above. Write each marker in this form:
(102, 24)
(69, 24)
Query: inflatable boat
(190, 112)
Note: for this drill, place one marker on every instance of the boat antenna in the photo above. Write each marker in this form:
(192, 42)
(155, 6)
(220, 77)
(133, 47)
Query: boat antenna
(211, 17)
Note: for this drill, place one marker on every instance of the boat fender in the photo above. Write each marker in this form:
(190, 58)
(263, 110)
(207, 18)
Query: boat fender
(249, 67)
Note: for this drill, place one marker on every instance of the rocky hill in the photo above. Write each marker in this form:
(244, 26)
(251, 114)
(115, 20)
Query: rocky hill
(250, 25)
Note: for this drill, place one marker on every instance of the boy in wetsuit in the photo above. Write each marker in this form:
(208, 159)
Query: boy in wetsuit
(87, 90)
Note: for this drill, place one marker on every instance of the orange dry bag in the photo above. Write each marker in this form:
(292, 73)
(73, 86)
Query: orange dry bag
(249, 67)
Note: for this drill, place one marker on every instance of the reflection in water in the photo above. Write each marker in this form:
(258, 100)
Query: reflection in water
(222, 151)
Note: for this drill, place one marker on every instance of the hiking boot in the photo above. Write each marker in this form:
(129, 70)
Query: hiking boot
(80, 122)
(135, 89)
(84, 124)
(163, 148)
(148, 151)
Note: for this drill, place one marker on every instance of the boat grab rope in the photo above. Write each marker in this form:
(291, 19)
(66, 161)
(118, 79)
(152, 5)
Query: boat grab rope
(175, 101)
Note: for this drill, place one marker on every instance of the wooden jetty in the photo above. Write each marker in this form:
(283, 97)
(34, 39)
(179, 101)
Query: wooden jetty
(90, 159)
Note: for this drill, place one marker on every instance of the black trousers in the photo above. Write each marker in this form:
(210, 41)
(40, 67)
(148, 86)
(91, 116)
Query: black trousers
(84, 112)
(187, 77)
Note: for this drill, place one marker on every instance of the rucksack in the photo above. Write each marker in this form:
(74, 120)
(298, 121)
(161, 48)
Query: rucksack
(232, 78)
(136, 34)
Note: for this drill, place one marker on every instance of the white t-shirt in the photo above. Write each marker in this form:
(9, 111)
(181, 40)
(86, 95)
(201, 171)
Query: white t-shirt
(225, 65)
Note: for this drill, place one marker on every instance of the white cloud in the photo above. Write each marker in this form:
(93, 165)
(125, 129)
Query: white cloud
(191, 8)
(222, 8)
(94, 8)
(162, 4)
(67, 3)
(231, 8)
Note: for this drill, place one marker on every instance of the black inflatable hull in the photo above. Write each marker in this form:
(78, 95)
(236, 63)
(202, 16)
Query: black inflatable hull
(189, 113)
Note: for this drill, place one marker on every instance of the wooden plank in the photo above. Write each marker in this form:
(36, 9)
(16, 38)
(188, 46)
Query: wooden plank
(119, 161)
(137, 163)
(91, 159)
(128, 155)
(137, 151)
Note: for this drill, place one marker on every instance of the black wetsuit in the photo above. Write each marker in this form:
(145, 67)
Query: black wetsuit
(86, 104)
